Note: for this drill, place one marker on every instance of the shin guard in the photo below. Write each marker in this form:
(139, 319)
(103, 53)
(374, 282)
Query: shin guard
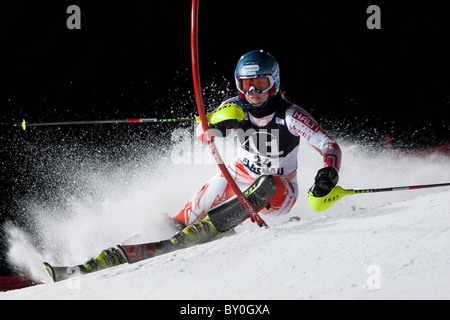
(230, 213)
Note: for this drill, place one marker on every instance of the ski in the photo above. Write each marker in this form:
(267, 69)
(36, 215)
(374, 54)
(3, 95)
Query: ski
(138, 252)
(63, 273)
(133, 253)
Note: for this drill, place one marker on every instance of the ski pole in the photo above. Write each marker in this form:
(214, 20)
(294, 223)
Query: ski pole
(403, 188)
(337, 193)
(225, 112)
(24, 124)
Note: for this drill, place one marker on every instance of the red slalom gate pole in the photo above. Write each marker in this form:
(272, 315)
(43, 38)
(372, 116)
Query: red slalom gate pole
(201, 111)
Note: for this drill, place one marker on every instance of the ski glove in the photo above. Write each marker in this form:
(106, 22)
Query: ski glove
(326, 179)
(224, 125)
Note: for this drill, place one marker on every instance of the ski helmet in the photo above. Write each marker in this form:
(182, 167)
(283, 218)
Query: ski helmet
(257, 64)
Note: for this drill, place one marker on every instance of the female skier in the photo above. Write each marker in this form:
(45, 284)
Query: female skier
(265, 168)
(270, 136)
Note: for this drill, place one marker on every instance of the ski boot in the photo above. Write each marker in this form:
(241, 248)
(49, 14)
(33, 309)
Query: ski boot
(106, 259)
(199, 232)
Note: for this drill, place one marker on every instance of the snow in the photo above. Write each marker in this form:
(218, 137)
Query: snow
(373, 246)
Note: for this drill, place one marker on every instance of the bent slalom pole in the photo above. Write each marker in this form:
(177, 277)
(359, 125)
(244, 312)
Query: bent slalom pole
(337, 193)
(201, 111)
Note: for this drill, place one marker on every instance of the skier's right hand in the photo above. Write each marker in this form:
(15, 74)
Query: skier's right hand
(227, 116)
(224, 125)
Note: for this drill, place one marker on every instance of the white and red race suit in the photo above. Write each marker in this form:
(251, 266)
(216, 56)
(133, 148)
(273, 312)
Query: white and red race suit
(269, 145)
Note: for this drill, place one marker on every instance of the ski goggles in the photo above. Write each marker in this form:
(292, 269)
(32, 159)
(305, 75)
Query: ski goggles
(260, 84)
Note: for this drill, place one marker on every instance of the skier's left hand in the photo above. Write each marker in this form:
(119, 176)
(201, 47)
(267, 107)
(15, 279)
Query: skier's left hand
(326, 179)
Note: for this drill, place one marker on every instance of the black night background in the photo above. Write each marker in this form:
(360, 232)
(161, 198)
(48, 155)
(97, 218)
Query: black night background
(132, 59)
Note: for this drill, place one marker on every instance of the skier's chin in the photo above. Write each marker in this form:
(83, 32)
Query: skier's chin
(256, 103)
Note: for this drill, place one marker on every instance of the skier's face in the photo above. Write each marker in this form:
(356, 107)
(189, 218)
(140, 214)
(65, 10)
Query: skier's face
(257, 99)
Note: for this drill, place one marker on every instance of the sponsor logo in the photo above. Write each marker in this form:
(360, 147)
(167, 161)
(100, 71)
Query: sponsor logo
(250, 68)
(331, 199)
(300, 132)
(306, 121)
(276, 74)
(279, 121)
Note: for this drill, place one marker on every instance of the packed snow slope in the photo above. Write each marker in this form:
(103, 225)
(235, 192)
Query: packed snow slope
(371, 246)
(392, 251)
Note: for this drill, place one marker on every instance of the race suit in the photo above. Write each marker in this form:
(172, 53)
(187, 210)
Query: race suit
(269, 145)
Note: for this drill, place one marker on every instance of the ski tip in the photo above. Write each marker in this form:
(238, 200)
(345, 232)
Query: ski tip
(50, 271)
